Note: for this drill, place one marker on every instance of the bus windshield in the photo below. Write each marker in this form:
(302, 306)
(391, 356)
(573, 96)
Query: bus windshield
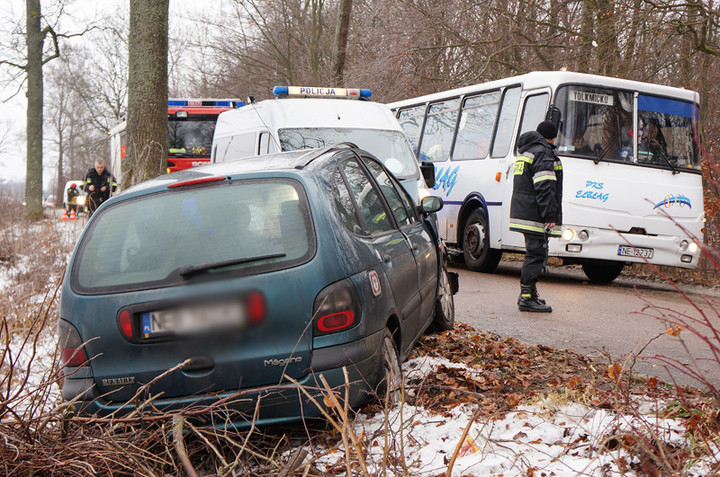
(391, 147)
(613, 125)
(191, 136)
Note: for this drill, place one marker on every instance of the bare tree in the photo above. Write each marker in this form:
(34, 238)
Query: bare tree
(342, 31)
(36, 36)
(147, 140)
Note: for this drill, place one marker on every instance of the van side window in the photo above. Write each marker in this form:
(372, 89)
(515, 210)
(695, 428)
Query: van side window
(264, 143)
(240, 145)
(370, 204)
(398, 202)
(345, 204)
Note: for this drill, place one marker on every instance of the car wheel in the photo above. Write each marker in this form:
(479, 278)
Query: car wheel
(602, 271)
(390, 389)
(444, 305)
(478, 255)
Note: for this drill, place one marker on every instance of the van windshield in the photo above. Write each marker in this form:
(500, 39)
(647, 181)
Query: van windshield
(390, 147)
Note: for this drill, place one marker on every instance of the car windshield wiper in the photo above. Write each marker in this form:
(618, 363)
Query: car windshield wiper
(190, 270)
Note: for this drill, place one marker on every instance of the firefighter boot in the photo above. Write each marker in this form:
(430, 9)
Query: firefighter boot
(528, 300)
(535, 295)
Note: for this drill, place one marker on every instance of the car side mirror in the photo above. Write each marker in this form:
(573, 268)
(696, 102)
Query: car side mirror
(428, 172)
(430, 204)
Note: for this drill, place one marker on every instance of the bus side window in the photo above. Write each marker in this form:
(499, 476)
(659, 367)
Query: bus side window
(506, 122)
(477, 121)
(534, 112)
(439, 130)
(411, 121)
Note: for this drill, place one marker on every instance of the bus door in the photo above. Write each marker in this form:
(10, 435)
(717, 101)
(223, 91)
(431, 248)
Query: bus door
(535, 106)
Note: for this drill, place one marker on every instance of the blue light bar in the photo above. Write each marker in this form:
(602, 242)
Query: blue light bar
(306, 91)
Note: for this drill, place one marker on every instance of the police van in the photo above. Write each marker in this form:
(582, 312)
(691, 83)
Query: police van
(304, 118)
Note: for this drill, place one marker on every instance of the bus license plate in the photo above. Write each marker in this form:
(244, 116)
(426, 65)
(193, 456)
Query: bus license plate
(628, 251)
(193, 320)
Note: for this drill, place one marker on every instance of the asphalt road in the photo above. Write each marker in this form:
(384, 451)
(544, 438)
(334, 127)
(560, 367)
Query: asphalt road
(617, 322)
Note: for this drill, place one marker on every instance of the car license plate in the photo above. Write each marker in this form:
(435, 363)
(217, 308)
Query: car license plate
(629, 251)
(192, 320)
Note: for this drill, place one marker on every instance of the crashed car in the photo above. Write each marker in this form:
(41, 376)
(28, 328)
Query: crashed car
(235, 291)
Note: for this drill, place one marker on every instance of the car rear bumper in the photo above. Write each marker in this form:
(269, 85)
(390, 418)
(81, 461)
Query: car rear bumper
(277, 404)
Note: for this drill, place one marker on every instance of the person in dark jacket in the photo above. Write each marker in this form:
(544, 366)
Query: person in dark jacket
(98, 185)
(536, 207)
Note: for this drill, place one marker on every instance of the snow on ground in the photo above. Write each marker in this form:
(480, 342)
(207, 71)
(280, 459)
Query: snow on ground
(33, 359)
(562, 440)
(565, 439)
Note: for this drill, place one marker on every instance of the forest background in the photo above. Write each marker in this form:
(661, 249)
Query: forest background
(399, 49)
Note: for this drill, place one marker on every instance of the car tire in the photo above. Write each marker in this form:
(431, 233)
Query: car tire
(602, 271)
(444, 305)
(478, 255)
(390, 387)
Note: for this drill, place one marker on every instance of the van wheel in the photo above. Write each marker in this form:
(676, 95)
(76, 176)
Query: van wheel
(390, 389)
(445, 304)
(602, 271)
(479, 257)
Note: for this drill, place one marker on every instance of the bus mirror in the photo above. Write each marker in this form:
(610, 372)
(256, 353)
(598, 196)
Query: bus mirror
(428, 172)
(554, 115)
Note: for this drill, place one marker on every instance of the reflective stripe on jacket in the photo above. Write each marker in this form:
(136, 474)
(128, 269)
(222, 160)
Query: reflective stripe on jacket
(537, 187)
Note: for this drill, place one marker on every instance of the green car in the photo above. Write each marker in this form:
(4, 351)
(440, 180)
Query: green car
(231, 291)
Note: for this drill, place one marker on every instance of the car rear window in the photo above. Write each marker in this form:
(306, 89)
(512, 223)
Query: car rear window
(153, 240)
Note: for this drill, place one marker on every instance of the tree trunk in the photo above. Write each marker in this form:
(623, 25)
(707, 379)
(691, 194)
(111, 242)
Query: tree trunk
(34, 128)
(147, 136)
(341, 38)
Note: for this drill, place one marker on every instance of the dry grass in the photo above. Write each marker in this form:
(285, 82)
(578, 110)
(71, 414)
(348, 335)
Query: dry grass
(39, 435)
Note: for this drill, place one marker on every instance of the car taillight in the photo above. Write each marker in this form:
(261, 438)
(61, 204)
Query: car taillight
(125, 322)
(256, 308)
(336, 308)
(71, 345)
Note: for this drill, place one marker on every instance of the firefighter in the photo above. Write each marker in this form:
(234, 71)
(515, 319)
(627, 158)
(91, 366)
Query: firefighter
(536, 207)
(98, 185)
(71, 201)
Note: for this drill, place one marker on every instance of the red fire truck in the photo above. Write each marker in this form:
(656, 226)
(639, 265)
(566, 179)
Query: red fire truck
(191, 124)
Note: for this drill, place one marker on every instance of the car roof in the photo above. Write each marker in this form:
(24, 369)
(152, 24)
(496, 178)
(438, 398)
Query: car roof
(291, 161)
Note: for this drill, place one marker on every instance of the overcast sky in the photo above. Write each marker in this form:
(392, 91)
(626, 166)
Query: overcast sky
(78, 13)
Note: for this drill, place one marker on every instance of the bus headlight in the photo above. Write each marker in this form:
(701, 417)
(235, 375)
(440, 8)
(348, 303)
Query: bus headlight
(693, 247)
(568, 235)
(422, 193)
(583, 235)
(684, 245)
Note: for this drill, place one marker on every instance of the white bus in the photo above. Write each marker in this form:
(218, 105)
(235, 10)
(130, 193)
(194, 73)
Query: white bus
(623, 201)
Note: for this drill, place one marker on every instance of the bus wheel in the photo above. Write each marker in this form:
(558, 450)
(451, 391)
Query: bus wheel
(602, 271)
(479, 257)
